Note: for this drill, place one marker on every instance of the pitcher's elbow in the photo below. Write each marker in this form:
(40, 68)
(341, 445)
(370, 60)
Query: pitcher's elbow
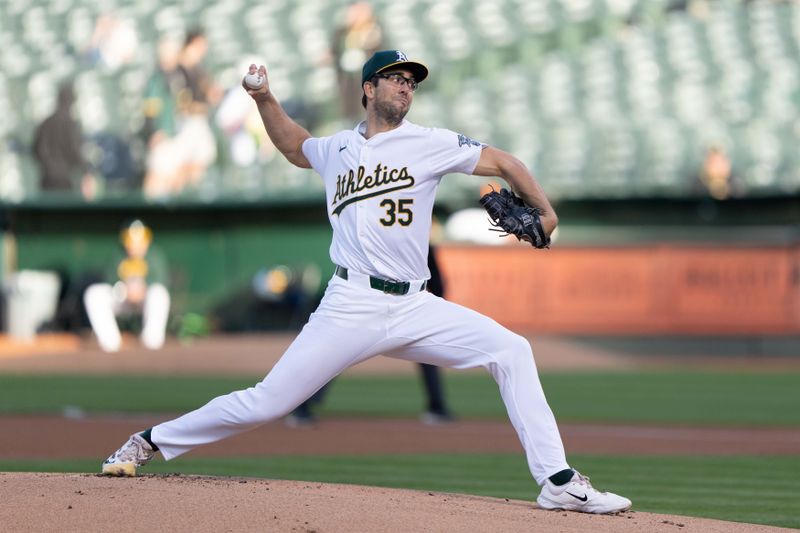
(550, 222)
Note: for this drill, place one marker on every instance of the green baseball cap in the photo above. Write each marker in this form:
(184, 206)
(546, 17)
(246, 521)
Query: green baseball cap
(386, 59)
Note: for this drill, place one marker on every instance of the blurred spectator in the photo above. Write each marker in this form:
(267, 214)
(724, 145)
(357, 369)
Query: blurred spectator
(353, 43)
(139, 289)
(114, 42)
(237, 117)
(111, 158)
(715, 173)
(164, 162)
(57, 148)
(198, 94)
(160, 106)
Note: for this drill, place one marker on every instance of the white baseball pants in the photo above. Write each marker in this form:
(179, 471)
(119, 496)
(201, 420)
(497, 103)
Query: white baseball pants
(354, 323)
(102, 308)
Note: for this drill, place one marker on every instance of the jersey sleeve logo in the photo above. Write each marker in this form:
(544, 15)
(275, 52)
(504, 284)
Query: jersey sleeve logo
(463, 140)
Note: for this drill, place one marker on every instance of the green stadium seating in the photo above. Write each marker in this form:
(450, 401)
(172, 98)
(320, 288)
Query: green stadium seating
(601, 98)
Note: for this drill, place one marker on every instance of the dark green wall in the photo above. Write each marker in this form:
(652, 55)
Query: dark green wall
(212, 251)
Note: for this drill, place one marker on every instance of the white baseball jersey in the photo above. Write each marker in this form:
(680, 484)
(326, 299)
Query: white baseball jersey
(380, 193)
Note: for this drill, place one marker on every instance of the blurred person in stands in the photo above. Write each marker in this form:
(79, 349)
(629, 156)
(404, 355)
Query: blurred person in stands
(246, 144)
(354, 42)
(164, 163)
(238, 119)
(58, 149)
(114, 42)
(140, 276)
(198, 94)
(716, 173)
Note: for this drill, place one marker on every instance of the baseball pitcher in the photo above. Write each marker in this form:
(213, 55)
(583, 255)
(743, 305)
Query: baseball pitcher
(380, 181)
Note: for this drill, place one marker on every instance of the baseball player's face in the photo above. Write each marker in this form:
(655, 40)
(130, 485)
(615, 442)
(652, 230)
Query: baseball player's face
(393, 96)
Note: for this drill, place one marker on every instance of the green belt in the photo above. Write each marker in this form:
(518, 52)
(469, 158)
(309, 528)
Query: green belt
(385, 285)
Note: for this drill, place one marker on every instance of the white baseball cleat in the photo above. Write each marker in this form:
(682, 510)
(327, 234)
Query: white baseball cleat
(579, 495)
(134, 453)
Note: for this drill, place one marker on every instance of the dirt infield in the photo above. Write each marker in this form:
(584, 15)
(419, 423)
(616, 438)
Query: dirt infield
(95, 437)
(241, 355)
(84, 502)
(256, 354)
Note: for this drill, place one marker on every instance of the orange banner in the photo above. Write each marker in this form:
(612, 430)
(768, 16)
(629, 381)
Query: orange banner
(641, 289)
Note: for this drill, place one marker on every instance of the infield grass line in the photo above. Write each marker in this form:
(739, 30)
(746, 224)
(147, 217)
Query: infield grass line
(692, 398)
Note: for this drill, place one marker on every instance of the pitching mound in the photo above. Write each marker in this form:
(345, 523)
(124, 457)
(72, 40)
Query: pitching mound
(87, 502)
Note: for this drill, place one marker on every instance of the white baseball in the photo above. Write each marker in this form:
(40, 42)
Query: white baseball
(254, 81)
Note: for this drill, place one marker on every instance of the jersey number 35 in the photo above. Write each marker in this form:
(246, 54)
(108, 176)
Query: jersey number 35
(399, 212)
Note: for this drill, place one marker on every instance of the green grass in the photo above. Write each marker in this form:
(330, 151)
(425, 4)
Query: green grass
(635, 397)
(625, 397)
(759, 490)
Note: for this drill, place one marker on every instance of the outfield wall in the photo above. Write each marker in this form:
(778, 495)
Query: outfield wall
(659, 288)
(621, 267)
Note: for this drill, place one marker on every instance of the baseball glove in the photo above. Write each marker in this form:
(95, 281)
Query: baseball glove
(510, 214)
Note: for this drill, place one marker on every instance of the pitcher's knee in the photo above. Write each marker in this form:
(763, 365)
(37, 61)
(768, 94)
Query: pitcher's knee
(515, 351)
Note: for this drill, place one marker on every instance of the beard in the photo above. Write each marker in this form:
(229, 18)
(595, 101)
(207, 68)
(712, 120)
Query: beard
(390, 112)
